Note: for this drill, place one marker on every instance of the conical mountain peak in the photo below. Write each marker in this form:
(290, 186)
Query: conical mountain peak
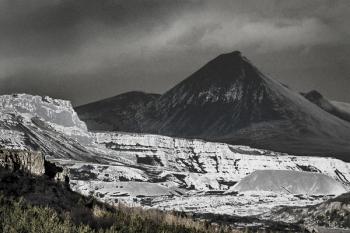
(220, 71)
(230, 100)
(226, 62)
(225, 78)
(232, 59)
(232, 55)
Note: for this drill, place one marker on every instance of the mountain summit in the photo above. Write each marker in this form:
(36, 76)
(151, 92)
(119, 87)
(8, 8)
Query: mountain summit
(230, 100)
(226, 94)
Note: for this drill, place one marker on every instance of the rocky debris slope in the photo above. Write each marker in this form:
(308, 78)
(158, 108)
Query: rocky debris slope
(331, 213)
(229, 100)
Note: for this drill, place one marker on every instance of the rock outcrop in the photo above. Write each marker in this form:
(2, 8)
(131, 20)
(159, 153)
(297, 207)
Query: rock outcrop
(32, 163)
(29, 162)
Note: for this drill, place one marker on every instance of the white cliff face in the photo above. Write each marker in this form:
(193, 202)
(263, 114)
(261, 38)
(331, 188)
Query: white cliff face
(59, 114)
(152, 170)
(41, 123)
(200, 176)
(215, 161)
(55, 111)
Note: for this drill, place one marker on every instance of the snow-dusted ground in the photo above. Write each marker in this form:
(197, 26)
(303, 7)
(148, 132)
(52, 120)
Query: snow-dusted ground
(203, 160)
(152, 170)
(243, 204)
(197, 176)
(286, 181)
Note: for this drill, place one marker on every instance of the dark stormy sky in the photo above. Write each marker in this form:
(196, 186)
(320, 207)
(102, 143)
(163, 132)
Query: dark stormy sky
(84, 50)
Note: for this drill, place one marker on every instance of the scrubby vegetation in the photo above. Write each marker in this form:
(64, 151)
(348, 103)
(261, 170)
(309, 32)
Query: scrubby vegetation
(19, 216)
(335, 212)
(38, 204)
(16, 216)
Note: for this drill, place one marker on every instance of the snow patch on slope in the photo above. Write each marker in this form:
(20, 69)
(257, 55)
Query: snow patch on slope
(294, 182)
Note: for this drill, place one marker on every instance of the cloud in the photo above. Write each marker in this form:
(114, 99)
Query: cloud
(115, 43)
(269, 36)
(241, 32)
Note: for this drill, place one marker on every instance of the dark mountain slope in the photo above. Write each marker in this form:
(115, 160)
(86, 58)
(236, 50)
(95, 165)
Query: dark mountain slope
(343, 106)
(329, 106)
(229, 100)
(220, 97)
(117, 113)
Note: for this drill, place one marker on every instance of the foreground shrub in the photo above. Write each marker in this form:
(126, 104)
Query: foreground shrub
(19, 216)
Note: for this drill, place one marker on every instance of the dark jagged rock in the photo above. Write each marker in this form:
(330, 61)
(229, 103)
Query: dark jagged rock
(229, 100)
(32, 163)
(56, 172)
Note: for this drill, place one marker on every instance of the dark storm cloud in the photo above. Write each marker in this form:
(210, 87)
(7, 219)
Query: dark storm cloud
(89, 49)
(42, 26)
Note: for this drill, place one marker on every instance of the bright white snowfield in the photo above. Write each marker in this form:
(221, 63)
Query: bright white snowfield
(286, 181)
(165, 172)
